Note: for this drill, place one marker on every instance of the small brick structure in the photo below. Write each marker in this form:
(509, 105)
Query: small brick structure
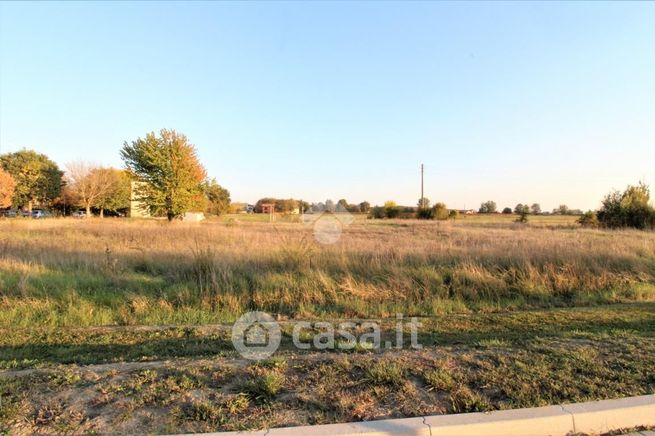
(268, 208)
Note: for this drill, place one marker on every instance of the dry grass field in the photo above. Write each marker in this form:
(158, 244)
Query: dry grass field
(120, 326)
(111, 272)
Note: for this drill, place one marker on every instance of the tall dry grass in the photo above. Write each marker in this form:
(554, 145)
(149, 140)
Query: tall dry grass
(67, 272)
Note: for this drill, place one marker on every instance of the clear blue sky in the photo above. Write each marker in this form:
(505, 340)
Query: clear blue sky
(515, 102)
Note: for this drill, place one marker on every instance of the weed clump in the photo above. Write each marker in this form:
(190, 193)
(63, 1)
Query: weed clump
(264, 387)
(386, 373)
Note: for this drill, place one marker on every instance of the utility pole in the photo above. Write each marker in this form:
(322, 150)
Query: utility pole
(422, 201)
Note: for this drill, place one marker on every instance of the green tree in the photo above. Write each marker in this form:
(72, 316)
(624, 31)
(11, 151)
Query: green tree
(630, 208)
(285, 206)
(37, 178)
(453, 214)
(7, 187)
(303, 206)
(488, 207)
(519, 208)
(342, 204)
(391, 209)
(171, 174)
(507, 210)
(116, 197)
(424, 212)
(93, 186)
(440, 211)
(218, 198)
(535, 208)
(522, 210)
(364, 206)
(562, 210)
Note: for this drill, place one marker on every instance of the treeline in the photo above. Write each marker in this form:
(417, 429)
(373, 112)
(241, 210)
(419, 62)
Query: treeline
(630, 208)
(296, 206)
(521, 209)
(162, 172)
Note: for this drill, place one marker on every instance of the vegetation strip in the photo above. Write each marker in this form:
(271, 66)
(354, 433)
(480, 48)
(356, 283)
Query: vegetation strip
(483, 364)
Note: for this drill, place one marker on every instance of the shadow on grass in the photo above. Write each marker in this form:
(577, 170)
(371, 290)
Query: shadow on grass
(24, 348)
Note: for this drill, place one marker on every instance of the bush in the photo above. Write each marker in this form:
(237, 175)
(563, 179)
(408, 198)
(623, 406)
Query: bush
(507, 211)
(425, 213)
(391, 209)
(264, 387)
(378, 212)
(453, 214)
(628, 209)
(440, 211)
(588, 219)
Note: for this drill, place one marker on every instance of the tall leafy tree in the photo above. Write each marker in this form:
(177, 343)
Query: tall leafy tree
(92, 186)
(488, 207)
(170, 173)
(117, 195)
(630, 208)
(218, 198)
(38, 179)
(7, 187)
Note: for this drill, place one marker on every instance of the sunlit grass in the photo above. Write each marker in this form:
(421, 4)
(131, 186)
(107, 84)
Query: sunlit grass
(99, 272)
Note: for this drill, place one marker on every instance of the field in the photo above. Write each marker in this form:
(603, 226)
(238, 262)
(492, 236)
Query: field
(122, 325)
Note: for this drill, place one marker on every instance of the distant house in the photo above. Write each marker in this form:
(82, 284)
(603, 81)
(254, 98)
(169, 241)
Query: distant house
(268, 207)
(467, 211)
(137, 208)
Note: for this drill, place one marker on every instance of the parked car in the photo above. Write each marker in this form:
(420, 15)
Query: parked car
(79, 214)
(40, 214)
(8, 213)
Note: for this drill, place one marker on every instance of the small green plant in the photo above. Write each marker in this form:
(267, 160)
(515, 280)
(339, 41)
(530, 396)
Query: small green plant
(265, 387)
(237, 404)
(386, 372)
(439, 379)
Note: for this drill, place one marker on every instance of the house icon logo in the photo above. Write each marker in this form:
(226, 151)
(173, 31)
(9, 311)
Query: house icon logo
(327, 223)
(256, 335)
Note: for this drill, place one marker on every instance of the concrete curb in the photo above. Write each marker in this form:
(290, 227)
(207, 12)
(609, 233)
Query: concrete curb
(590, 418)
